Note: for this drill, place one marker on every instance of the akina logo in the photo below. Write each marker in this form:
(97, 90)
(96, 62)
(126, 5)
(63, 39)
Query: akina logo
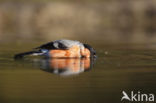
(137, 96)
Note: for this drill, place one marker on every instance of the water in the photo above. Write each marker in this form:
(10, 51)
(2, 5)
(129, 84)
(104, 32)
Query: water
(117, 68)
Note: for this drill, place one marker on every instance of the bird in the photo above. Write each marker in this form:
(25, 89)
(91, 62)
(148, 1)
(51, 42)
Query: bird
(61, 49)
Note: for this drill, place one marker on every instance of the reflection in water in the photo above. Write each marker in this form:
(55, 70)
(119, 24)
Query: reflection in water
(65, 66)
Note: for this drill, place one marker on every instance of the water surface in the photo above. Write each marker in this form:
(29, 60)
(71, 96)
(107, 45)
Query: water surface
(117, 68)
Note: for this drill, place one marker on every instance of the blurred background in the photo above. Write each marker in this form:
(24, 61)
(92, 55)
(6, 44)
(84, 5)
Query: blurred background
(123, 32)
(100, 21)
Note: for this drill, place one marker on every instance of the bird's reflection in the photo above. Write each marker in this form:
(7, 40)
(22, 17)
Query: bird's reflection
(66, 67)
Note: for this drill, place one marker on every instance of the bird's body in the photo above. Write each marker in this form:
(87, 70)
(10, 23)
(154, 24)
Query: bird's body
(62, 49)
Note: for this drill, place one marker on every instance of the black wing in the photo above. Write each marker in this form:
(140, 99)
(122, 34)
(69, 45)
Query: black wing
(48, 46)
(51, 45)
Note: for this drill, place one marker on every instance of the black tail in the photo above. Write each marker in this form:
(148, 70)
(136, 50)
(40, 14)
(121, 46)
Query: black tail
(21, 55)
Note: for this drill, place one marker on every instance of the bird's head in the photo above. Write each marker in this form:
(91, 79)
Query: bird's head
(91, 51)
